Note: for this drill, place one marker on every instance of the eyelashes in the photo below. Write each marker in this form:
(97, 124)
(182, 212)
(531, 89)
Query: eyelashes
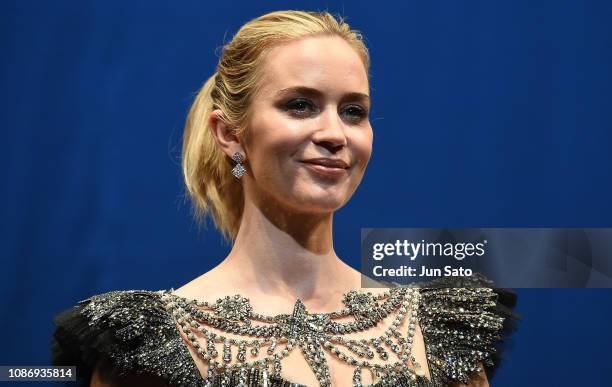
(304, 108)
(301, 107)
(355, 111)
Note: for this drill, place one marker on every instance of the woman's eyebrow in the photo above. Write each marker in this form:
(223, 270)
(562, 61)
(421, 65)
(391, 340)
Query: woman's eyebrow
(312, 92)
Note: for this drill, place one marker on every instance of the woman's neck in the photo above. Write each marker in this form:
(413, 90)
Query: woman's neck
(283, 252)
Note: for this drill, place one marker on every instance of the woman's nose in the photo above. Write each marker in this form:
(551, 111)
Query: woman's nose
(331, 131)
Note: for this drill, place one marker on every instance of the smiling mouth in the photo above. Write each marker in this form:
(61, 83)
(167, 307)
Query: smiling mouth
(326, 171)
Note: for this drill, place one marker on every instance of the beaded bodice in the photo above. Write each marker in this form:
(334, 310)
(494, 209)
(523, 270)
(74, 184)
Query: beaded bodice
(140, 331)
(312, 333)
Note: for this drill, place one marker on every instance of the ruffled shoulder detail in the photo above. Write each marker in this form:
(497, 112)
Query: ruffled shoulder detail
(464, 327)
(130, 328)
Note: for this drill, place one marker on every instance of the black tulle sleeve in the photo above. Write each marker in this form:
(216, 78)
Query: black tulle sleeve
(465, 327)
(72, 343)
(130, 330)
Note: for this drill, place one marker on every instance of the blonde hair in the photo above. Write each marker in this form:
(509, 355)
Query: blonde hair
(206, 168)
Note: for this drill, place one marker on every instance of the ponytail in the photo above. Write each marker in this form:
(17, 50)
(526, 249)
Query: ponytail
(207, 170)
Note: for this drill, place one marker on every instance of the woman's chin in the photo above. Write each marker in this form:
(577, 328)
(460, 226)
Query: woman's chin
(320, 205)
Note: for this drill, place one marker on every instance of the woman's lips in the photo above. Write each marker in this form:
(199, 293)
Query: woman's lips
(325, 171)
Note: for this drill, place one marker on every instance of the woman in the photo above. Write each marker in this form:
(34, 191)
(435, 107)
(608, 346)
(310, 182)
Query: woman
(275, 142)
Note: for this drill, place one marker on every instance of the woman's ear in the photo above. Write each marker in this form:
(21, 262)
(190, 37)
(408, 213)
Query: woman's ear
(224, 134)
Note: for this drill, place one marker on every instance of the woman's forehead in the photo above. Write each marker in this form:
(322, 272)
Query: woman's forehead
(321, 62)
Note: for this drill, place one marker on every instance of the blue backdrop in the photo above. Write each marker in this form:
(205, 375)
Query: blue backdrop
(485, 114)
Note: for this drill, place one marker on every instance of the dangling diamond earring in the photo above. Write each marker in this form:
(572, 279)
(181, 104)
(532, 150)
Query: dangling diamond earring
(238, 170)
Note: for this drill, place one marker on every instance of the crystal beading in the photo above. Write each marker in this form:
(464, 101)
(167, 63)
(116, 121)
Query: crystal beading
(313, 333)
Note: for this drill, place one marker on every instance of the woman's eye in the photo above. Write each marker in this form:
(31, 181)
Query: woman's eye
(300, 107)
(354, 112)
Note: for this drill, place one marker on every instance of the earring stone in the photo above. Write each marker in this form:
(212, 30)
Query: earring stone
(237, 157)
(238, 171)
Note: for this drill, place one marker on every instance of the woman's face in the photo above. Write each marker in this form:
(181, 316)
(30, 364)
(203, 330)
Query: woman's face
(313, 104)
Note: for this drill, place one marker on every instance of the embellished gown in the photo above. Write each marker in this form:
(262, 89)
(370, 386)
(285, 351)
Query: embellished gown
(137, 332)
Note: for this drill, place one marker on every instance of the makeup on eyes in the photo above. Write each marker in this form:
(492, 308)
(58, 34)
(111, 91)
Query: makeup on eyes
(299, 105)
(303, 107)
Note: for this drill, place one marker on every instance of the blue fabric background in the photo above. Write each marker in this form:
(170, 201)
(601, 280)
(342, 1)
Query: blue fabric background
(485, 114)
